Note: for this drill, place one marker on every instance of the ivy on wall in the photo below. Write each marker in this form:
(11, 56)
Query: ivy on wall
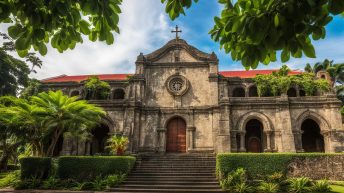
(96, 89)
(279, 83)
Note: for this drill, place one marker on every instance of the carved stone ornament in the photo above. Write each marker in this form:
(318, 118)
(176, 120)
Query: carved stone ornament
(177, 85)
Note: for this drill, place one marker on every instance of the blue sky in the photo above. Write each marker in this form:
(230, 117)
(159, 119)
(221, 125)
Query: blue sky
(146, 27)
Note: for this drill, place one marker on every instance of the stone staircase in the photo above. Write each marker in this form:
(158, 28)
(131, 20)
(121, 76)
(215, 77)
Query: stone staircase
(178, 173)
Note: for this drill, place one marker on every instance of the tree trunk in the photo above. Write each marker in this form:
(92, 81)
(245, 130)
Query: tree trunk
(4, 161)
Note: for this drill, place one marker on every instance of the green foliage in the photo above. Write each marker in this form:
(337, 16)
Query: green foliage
(44, 118)
(117, 144)
(300, 185)
(96, 89)
(33, 88)
(35, 23)
(51, 183)
(14, 74)
(321, 186)
(88, 168)
(268, 187)
(30, 183)
(35, 167)
(279, 83)
(10, 179)
(252, 31)
(258, 165)
(176, 7)
(236, 182)
(114, 180)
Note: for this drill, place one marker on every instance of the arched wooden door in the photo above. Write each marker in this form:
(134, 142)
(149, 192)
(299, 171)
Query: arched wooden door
(176, 136)
(254, 145)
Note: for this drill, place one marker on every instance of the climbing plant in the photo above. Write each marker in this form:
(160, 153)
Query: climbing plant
(96, 89)
(279, 82)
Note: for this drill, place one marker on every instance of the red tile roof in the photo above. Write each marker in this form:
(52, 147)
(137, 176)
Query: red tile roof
(252, 73)
(79, 78)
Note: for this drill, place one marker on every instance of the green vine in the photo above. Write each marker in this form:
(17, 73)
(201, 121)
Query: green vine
(96, 89)
(279, 83)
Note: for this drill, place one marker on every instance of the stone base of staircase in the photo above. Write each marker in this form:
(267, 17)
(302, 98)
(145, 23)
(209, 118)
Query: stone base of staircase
(172, 173)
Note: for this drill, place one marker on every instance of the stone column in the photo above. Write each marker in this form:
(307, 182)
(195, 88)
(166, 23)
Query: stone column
(268, 141)
(162, 139)
(242, 141)
(298, 135)
(191, 144)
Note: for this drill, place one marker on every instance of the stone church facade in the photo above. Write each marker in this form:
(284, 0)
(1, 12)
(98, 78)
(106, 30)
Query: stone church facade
(178, 101)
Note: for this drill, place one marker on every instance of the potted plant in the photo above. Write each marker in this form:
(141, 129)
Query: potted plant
(118, 144)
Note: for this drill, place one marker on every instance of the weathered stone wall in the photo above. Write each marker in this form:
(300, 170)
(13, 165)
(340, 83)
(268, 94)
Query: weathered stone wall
(324, 167)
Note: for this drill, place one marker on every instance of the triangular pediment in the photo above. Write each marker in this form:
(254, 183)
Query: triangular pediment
(178, 50)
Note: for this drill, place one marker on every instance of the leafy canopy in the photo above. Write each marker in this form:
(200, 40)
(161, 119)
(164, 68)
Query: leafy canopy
(35, 23)
(252, 31)
(96, 89)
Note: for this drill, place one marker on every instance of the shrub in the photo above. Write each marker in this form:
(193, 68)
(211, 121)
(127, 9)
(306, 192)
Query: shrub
(85, 168)
(114, 180)
(236, 182)
(259, 165)
(35, 167)
(321, 186)
(299, 185)
(10, 179)
(268, 187)
(51, 183)
(31, 183)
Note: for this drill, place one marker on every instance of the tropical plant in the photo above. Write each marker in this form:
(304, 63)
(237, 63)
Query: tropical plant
(10, 179)
(117, 144)
(300, 185)
(268, 187)
(46, 117)
(321, 186)
(114, 180)
(96, 89)
(236, 181)
(63, 113)
(33, 88)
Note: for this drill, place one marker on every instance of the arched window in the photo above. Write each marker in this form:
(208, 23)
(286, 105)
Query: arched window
(100, 135)
(74, 93)
(312, 140)
(291, 92)
(323, 76)
(253, 91)
(118, 94)
(238, 92)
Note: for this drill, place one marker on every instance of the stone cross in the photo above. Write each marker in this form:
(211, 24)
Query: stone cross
(176, 31)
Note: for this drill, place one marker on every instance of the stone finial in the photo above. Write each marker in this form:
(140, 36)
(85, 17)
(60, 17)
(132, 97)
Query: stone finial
(213, 56)
(140, 58)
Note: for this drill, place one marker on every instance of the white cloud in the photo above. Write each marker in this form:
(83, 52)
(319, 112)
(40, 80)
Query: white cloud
(144, 27)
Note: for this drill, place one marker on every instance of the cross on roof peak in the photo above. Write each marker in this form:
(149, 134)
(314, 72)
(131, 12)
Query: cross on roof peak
(176, 31)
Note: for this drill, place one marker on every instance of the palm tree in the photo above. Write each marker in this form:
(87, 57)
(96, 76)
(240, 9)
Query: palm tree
(63, 113)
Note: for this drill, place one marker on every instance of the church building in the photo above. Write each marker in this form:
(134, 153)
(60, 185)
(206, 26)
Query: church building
(178, 101)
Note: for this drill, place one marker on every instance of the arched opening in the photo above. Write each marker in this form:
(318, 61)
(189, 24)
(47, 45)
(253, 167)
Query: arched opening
(238, 92)
(99, 136)
(118, 94)
(176, 136)
(74, 93)
(323, 76)
(253, 137)
(312, 140)
(291, 92)
(252, 92)
(302, 93)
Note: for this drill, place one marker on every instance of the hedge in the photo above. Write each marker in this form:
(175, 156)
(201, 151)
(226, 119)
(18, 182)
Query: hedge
(258, 164)
(86, 167)
(35, 167)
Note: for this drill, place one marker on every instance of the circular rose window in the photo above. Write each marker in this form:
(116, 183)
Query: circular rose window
(177, 85)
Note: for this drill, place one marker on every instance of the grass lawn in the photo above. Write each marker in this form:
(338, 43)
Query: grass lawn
(337, 188)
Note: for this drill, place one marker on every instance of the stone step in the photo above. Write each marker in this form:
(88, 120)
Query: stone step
(171, 186)
(172, 174)
(206, 170)
(195, 190)
(160, 182)
(173, 178)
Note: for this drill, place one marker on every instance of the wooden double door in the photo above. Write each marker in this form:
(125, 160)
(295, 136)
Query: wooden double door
(176, 136)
